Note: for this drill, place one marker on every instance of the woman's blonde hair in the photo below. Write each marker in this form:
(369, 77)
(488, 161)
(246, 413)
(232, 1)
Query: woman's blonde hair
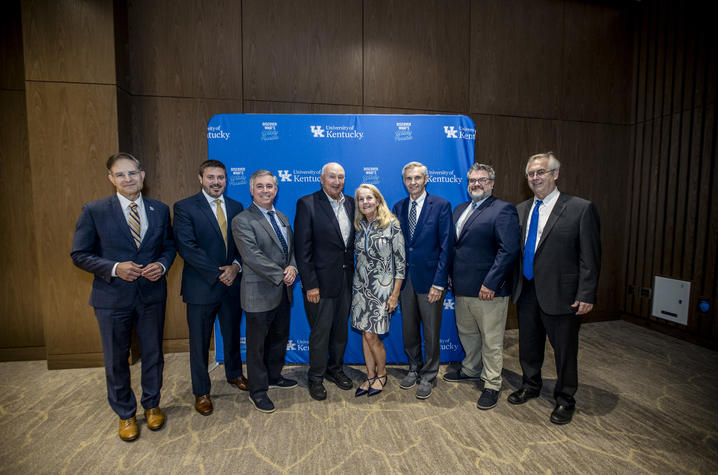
(383, 215)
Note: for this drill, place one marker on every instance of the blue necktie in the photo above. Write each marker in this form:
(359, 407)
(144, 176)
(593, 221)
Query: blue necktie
(412, 219)
(530, 246)
(279, 232)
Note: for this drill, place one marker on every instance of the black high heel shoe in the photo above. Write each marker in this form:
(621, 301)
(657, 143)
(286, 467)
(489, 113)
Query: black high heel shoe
(374, 392)
(360, 391)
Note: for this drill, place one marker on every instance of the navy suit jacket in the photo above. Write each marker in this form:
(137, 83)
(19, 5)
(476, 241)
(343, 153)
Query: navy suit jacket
(568, 257)
(102, 239)
(199, 242)
(487, 249)
(429, 252)
(322, 257)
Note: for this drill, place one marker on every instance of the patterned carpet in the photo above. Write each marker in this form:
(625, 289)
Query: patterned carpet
(646, 404)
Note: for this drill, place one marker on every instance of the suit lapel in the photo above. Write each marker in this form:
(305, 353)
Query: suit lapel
(264, 222)
(556, 213)
(523, 218)
(474, 216)
(206, 209)
(119, 216)
(326, 207)
(151, 218)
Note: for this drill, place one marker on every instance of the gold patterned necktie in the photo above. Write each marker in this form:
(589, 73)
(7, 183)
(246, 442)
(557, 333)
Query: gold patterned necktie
(135, 224)
(222, 220)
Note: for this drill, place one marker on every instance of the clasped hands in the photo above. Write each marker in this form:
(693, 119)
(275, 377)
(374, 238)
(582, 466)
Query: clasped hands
(131, 271)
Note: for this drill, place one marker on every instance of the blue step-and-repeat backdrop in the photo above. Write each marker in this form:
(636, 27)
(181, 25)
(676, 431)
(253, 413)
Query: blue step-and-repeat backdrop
(372, 149)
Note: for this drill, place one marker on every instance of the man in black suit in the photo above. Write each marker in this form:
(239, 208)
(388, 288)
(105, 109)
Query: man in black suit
(125, 240)
(324, 240)
(210, 278)
(557, 282)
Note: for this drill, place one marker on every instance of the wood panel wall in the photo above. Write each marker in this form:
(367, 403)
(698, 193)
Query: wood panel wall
(535, 75)
(673, 210)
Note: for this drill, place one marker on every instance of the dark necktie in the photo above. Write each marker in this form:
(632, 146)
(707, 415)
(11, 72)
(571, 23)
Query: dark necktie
(530, 246)
(412, 219)
(278, 232)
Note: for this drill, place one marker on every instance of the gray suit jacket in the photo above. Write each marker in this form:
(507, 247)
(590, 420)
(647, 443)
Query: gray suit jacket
(263, 260)
(568, 257)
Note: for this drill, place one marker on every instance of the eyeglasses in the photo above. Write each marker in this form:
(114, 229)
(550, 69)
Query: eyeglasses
(483, 181)
(538, 173)
(121, 175)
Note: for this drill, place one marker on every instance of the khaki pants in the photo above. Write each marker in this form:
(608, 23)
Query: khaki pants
(481, 325)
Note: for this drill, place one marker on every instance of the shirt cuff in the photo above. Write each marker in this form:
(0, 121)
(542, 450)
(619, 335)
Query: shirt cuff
(438, 287)
(238, 263)
(114, 269)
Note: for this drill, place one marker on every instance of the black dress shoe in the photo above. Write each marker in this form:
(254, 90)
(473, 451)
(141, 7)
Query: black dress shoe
(562, 414)
(523, 395)
(340, 379)
(317, 390)
(283, 383)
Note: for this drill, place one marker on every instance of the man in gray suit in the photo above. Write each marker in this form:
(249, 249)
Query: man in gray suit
(556, 282)
(264, 239)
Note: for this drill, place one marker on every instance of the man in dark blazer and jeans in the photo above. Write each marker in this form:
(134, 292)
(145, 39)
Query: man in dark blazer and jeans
(125, 240)
(210, 278)
(556, 283)
(324, 239)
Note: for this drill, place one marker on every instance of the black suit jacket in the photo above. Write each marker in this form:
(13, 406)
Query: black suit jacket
(199, 242)
(322, 257)
(568, 257)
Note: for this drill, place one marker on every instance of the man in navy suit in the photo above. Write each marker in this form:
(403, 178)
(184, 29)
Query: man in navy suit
(487, 246)
(426, 224)
(556, 284)
(125, 240)
(324, 240)
(210, 278)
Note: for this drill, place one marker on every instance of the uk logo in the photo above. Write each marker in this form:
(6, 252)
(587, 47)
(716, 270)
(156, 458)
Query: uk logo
(317, 131)
(291, 346)
(448, 304)
(284, 175)
(451, 132)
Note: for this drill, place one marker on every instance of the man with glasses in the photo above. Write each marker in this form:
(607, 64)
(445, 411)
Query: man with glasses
(556, 284)
(485, 252)
(125, 240)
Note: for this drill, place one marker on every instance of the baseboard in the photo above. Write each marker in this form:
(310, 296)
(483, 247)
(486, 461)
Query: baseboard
(180, 345)
(75, 360)
(25, 353)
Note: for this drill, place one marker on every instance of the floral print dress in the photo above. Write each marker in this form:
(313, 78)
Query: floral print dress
(380, 258)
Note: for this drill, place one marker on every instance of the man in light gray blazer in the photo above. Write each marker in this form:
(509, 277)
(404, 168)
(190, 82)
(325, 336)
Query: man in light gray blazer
(264, 239)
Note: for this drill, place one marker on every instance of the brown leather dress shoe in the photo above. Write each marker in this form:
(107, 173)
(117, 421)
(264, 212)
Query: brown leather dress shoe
(128, 429)
(241, 383)
(203, 404)
(155, 418)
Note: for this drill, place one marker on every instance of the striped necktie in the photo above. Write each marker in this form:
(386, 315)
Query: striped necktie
(278, 232)
(412, 219)
(134, 223)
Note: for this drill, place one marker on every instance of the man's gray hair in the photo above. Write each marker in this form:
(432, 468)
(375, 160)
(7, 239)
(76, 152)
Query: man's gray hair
(480, 166)
(259, 173)
(553, 163)
(410, 165)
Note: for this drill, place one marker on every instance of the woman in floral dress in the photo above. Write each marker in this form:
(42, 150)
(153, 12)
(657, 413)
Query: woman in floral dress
(380, 264)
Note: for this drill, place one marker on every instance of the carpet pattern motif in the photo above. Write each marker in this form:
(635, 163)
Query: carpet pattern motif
(646, 404)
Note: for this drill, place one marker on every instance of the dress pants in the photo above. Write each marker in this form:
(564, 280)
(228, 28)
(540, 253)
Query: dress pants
(562, 331)
(267, 336)
(417, 312)
(481, 325)
(200, 320)
(329, 323)
(116, 334)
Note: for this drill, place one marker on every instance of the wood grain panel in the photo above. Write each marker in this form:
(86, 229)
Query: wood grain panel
(587, 152)
(308, 51)
(12, 73)
(72, 130)
(69, 41)
(22, 320)
(506, 143)
(170, 136)
(185, 48)
(416, 54)
(263, 107)
(597, 62)
(516, 60)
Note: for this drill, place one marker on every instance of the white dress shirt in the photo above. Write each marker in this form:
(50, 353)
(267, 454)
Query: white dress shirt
(545, 210)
